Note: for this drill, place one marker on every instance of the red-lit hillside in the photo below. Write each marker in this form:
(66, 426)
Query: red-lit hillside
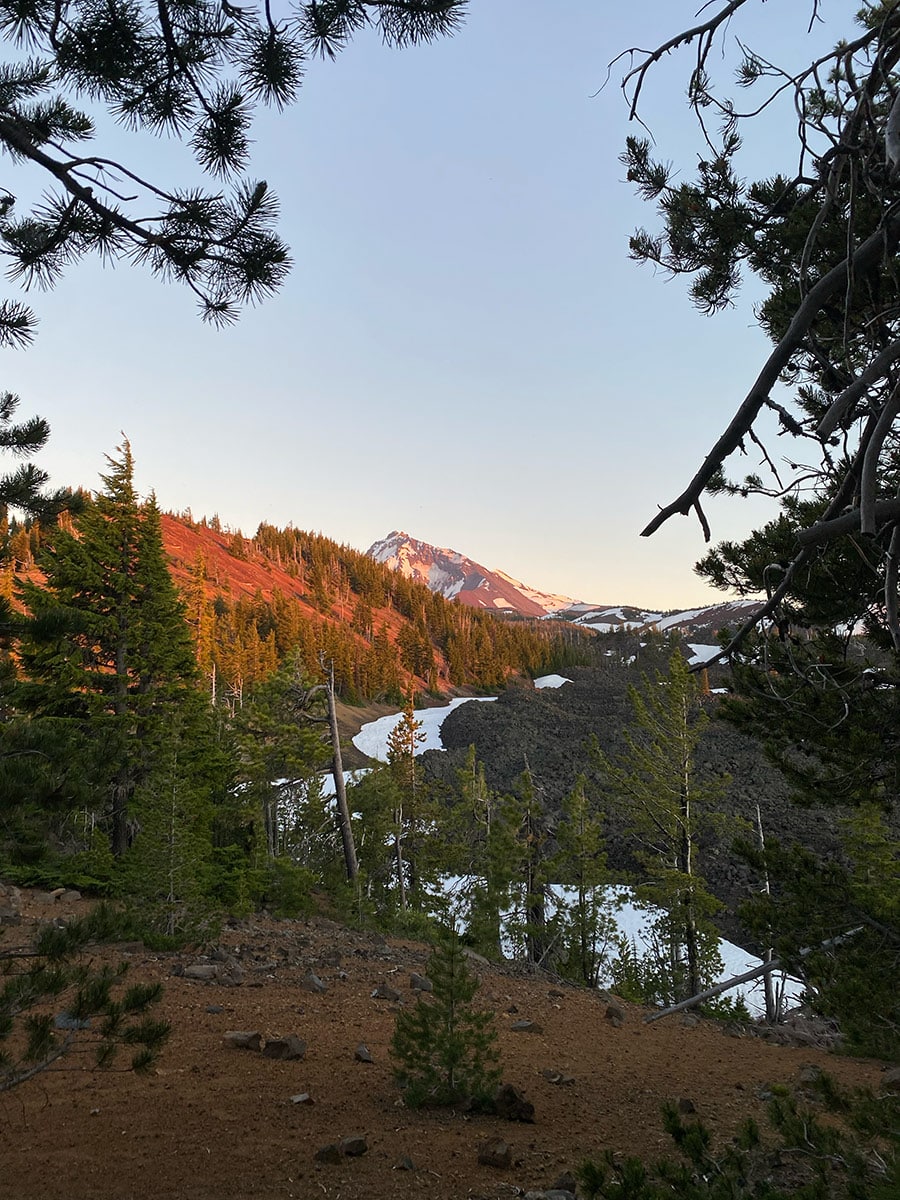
(238, 571)
(252, 600)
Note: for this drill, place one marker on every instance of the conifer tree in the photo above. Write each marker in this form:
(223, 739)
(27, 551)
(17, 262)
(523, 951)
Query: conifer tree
(485, 852)
(533, 836)
(402, 742)
(123, 658)
(97, 1011)
(279, 732)
(23, 489)
(445, 1048)
(580, 865)
(656, 785)
(166, 869)
(193, 70)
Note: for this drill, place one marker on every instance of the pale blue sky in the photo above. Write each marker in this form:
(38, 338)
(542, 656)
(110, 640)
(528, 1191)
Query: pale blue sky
(463, 349)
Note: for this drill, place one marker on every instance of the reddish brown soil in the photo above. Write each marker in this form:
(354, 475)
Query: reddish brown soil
(214, 1123)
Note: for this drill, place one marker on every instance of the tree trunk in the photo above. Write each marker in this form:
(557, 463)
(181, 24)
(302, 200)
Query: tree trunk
(398, 852)
(118, 837)
(687, 866)
(121, 787)
(351, 863)
(772, 1004)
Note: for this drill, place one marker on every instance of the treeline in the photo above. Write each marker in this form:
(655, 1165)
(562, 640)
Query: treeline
(379, 629)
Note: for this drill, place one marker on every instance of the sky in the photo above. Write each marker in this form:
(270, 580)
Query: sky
(463, 349)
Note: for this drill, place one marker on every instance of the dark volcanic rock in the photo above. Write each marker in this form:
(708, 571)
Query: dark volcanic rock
(551, 728)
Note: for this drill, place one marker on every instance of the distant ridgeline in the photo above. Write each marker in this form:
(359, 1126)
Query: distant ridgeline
(251, 601)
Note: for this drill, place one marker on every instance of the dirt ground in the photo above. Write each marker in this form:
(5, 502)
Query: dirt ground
(212, 1122)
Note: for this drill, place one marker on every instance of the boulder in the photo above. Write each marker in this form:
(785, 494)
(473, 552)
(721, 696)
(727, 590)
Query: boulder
(64, 1020)
(511, 1105)
(558, 1077)
(383, 992)
(287, 1049)
(243, 1040)
(10, 905)
(354, 1146)
(329, 1154)
(525, 1027)
(312, 983)
(420, 983)
(362, 1053)
(495, 1153)
(231, 973)
(205, 972)
(615, 1014)
(551, 1194)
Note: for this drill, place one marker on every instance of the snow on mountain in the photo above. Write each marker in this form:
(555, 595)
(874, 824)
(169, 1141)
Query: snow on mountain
(691, 621)
(549, 603)
(456, 576)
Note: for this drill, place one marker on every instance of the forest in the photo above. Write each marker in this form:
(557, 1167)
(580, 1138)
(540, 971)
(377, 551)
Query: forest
(165, 724)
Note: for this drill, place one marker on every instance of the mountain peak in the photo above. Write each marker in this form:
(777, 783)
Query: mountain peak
(458, 577)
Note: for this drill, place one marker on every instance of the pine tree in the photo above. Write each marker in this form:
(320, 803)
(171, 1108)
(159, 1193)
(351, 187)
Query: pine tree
(166, 869)
(188, 69)
(533, 834)
(446, 1048)
(23, 489)
(580, 865)
(97, 1011)
(656, 785)
(123, 661)
(484, 852)
(402, 742)
(279, 732)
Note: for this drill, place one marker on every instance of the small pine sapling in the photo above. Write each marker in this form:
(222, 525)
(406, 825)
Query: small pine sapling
(445, 1049)
(97, 1012)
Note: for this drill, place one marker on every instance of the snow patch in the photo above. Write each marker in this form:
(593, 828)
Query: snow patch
(701, 653)
(551, 681)
(372, 739)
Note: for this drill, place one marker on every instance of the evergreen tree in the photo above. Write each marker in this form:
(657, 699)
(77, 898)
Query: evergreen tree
(822, 236)
(818, 691)
(373, 800)
(122, 662)
(446, 1048)
(167, 869)
(23, 489)
(534, 861)
(484, 851)
(97, 1011)
(580, 865)
(279, 732)
(403, 740)
(656, 785)
(822, 1144)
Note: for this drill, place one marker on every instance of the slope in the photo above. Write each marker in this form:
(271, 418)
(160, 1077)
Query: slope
(216, 1123)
